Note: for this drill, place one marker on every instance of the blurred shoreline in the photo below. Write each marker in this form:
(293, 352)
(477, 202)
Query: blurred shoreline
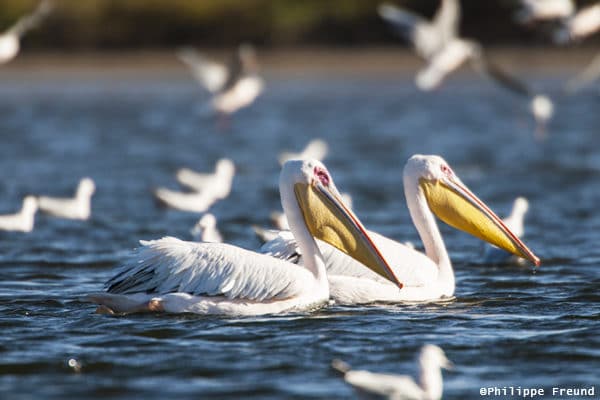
(378, 61)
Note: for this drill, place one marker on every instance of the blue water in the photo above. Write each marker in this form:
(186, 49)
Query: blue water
(508, 326)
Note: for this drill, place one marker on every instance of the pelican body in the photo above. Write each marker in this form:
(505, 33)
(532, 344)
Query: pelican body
(171, 275)
(431, 188)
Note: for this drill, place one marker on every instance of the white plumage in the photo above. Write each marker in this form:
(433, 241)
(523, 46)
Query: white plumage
(78, 207)
(10, 39)
(580, 25)
(22, 221)
(428, 385)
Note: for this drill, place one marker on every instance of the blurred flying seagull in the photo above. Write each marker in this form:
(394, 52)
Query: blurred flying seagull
(206, 230)
(78, 207)
(428, 385)
(516, 223)
(444, 51)
(207, 188)
(217, 183)
(426, 37)
(315, 149)
(232, 86)
(585, 77)
(10, 39)
(23, 220)
(583, 23)
(544, 10)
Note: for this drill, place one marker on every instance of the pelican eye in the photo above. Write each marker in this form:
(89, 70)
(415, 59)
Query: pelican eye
(322, 175)
(446, 170)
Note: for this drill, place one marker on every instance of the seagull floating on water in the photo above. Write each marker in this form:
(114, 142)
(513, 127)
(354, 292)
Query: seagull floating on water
(10, 39)
(428, 385)
(78, 207)
(207, 188)
(232, 86)
(315, 149)
(170, 275)
(23, 220)
(515, 222)
(206, 230)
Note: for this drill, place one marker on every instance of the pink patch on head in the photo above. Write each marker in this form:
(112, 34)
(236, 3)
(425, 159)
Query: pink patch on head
(322, 175)
(446, 170)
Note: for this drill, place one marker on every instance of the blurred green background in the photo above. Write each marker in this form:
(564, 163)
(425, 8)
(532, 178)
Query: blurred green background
(154, 24)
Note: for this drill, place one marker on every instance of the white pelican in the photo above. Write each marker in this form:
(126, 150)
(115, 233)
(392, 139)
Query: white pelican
(214, 278)
(544, 10)
(78, 207)
(206, 230)
(234, 86)
(428, 385)
(580, 25)
(10, 39)
(514, 222)
(23, 220)
(431, 188)
(315, 149)
(217, 183)
(585, 77)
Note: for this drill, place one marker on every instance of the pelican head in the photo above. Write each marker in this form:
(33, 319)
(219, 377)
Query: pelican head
(86, 187)
(325, 214)
(225, 167)
(452, 202)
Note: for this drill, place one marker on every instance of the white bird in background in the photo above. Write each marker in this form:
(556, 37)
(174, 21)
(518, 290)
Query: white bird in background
(23, 220)
(580, 25)
(544, 10)
(515, 222)
(206, 230)
(586, 77)
(78, 207)
(214, 278)
(10, 39)
(428, 385)
(426, 37)
(217, 183)
(207, 188)
(430, 187)
(315, 149)
(234, 86)
(439, 44)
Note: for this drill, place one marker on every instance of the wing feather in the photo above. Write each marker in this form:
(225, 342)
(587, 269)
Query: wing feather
(171, 265)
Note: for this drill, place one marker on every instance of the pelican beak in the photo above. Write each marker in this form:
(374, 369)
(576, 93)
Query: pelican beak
(330, 220)
(457, 206)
